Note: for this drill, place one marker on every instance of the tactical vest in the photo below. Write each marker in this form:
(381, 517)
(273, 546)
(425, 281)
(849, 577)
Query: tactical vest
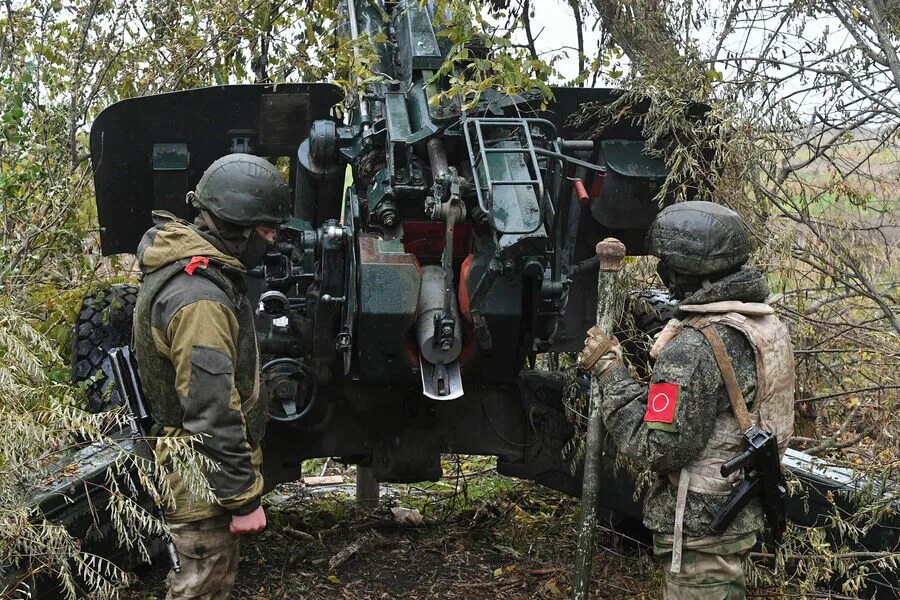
(773, 408)
(158, 374)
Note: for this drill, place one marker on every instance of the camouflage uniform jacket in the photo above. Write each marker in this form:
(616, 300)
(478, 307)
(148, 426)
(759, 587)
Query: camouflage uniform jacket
(198, 360)
(688, 361)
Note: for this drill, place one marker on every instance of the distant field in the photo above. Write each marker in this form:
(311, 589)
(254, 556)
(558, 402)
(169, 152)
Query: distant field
(858, 167)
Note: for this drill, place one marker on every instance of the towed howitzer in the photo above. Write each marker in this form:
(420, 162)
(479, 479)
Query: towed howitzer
(128, 386)
(404, 306)
(398, 311)
(762, 477)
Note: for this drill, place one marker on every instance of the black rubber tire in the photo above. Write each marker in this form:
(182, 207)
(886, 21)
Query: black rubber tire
(651, 310)
(647, 312)
(104, 322)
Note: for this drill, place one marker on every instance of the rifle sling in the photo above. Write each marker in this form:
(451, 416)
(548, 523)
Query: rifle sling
(738, 405)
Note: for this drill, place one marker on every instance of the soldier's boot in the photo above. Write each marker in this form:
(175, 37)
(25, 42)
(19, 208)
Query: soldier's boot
(209, 555)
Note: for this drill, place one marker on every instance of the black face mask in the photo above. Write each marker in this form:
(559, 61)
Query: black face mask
(241, 242)
(253, 249)
(680, 286)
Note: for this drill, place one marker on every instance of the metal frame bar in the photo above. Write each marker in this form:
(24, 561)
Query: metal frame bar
(480, 158)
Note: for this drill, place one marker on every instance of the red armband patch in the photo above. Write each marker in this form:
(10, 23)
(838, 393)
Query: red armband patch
(661, 401)
(196, 261)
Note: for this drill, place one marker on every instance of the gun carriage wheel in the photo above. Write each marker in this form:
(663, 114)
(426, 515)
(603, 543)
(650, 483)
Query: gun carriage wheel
(646, 313)
(104, 322)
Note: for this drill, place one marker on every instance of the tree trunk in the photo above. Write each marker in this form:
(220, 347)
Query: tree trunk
(641, 29)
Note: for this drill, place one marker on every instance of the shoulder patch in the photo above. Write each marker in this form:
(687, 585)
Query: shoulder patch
(661, 402)
(196, 261)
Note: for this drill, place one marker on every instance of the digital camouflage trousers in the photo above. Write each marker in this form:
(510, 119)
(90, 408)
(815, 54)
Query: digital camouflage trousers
(711, 566)
(209, 555)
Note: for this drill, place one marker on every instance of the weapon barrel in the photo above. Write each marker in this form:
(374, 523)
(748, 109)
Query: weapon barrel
(367, 19)
(437, 156)
(174, 560)
(125, 391)
(364, 117)
(129, 387)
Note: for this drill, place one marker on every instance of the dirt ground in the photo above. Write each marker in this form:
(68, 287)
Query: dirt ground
(489, 537)
(482, 536)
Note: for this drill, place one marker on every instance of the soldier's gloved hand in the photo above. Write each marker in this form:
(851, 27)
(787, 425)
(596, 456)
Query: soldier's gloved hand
(611, 359)
(250, 523)
(600, 353)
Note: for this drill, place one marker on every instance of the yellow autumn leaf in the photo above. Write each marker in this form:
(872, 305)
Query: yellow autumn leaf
(334, 579)
(498, 572)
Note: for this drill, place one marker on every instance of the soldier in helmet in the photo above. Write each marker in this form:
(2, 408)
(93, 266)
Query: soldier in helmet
(682, 426)
(198, 359)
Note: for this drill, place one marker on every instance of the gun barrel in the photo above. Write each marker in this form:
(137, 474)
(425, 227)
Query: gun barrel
(170, 545)
(129, 387)
(125, 391)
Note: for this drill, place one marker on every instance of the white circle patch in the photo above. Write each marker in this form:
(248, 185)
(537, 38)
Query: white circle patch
(660, 402)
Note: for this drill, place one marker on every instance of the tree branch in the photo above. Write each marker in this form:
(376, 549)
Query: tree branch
(526, 22)
(576, 9)
(888, 46)
(874, 388)
(727, 29)
(830, 444)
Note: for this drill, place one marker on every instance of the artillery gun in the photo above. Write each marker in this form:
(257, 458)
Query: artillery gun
(399, 311)
(436, 249)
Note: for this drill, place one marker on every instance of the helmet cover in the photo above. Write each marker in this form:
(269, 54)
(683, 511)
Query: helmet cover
(699, 238)
(243, 189)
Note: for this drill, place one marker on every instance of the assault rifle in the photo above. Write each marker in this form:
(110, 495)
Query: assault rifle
(762, 477)
(128, 385)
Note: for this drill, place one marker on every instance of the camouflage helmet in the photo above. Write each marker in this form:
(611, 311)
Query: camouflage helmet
(699, 238)
(244, 190)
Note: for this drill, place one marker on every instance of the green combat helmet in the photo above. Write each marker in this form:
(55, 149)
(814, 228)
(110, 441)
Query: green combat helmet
(243, 189)
(699, 238)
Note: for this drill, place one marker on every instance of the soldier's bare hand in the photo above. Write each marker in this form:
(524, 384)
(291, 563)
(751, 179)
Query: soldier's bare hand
(252, 523)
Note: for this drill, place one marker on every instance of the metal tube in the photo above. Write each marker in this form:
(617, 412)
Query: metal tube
(354, 36)
(437, 156)
(367, 488)
(577, 145)
(431, 302)
(567, 158)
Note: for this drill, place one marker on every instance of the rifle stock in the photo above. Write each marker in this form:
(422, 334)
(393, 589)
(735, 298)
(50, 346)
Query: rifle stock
(762, 478)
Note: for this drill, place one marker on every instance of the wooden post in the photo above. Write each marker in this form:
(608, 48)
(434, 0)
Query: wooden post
(609, 309)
